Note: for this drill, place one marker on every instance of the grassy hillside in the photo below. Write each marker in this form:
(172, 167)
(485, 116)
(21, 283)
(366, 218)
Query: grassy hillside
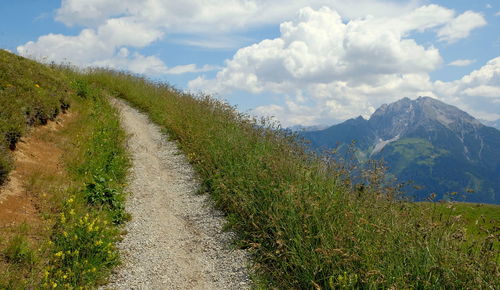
(306, 223)
(73, 244)
(30, 95)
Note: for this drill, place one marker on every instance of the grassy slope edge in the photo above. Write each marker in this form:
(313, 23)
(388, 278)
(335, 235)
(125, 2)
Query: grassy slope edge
(82, 211)
(306, 223)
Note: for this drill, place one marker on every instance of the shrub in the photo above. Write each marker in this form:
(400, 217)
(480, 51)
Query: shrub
(5, 165)
(99, 192)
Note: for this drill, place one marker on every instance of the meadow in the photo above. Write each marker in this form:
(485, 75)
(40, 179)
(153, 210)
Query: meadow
(305, 221)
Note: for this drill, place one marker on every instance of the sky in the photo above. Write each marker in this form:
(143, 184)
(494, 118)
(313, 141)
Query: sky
(315, 62)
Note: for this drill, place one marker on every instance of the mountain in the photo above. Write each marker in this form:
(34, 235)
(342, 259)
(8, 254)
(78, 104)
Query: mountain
(437, 146)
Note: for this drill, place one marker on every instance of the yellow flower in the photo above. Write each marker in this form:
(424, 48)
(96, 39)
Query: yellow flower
(93, 269)
(98, 243)
(65, 276)
(72, 212)
(59, 254)
(37, 85)
(65, 234)
(54, 284)
(70, 200)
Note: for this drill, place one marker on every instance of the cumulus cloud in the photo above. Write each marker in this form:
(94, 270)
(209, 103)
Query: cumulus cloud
(110, 25)
(213, 16)
(98, 47)
(190, 68)
(477, 92)
(461, 26)
(484, 82)
(338, 68)
(462, 62)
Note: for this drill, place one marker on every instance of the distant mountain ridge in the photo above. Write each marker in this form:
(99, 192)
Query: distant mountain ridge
(434, 144)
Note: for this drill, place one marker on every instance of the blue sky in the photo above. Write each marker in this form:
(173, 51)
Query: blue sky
(303, 62)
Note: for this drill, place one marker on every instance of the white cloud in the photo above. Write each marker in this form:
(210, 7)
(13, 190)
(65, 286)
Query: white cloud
(190, 68)
(477, 93)
(110, 25)
(104, 46)
(461, 26)
(484, 82)
(462, 62)
(214, 16)
(497, 14)
(339, 68)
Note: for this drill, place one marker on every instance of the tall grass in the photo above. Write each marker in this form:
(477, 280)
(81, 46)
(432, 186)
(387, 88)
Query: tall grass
(306, 223)
(82, 248)
(83, 209)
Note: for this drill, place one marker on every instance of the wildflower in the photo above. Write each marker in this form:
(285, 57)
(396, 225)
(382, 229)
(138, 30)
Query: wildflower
(63, 218)
(59, 254)
(94, 269)
(65, 234)
(72, 212)
(54, 284)
(37, 85)
(65, 276)
(98, 243)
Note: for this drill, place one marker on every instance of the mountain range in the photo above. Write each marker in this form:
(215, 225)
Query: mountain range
(438, 147)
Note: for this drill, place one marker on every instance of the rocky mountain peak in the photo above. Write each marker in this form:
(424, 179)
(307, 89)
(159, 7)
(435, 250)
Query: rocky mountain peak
(405, 115)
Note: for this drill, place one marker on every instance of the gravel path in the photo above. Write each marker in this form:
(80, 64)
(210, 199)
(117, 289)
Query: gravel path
(175, 238)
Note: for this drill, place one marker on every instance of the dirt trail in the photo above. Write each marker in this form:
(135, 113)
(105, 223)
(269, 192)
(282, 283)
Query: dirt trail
(36, 156)
(175, 238)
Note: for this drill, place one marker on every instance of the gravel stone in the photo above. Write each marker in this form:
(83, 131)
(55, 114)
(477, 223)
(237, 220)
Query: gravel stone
(175, 238)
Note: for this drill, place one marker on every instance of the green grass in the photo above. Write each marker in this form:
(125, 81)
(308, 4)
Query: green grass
(85, 209)
(481, 220)
(30, 94)
(305, 223)
(83, 251)
(303, 220)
